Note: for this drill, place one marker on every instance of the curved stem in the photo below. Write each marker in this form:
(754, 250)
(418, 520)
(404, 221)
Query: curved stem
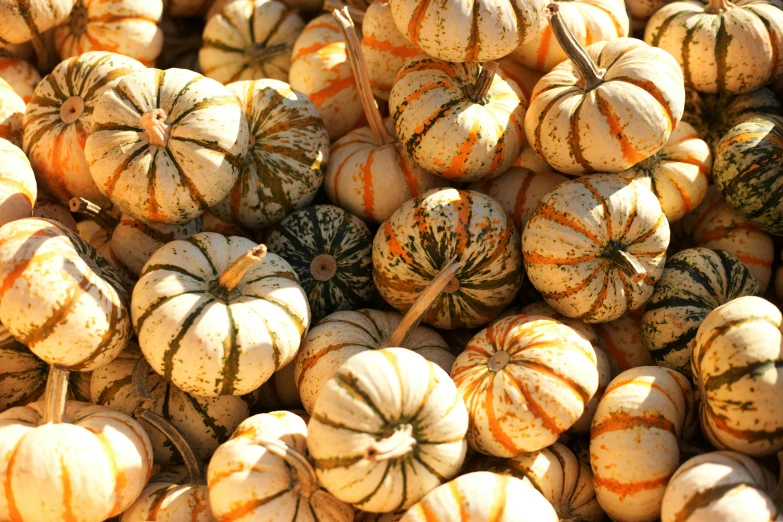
(82, 206)
(626, 262)
(231, 276)
(55, 396)
(398, 444)
(443, 282)
(305, 474)
(484, 82)
(259, 53)
(155, 128)
(359, 66)
(591, 74)
(193, 464)
(356, 14)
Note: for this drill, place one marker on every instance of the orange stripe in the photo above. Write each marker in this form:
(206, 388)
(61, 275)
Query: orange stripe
(368, 197)
(332, 89)
(410, 179)
(751, 260)
(492, 420)
(68, 515)
(543, 47)
(749, 135)
(620, 421)
(630, 488)
(617, 354)
(459, 163)
(403, 51)
(567, 221)
(414, 26)
(630, 154)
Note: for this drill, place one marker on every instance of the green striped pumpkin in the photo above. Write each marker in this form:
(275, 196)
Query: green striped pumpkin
(748, 171)
(694, 282)
(331, 252)
(22, 374)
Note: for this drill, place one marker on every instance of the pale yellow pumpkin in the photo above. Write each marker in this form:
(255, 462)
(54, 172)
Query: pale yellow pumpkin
(18, 189)
(12, 109)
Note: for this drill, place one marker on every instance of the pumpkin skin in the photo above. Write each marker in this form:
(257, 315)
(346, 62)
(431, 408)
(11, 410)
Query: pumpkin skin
(168, 497)
(595, 215)
(25, 20)
(468, 141)
(521, 398)
(23, 375)
(199, 160)
(18, 189)
(411, 248)
(283, 168)
(12, 110)
(236, 37)
(623, 341)
(721, 46)
(19, 74)
(736, 360)
(48, 208)
(694, 282)
(239, 341)
(525, 79)
(50, 276)
(59, 119)
(627, 117)
(125, 27)
(391, 397)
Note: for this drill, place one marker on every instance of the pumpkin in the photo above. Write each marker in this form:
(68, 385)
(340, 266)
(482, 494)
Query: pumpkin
(736, 365)
(48, 208)
(463, 31)
(19, 74)
(250, 41)
(678, 173)
(460, 121)
(12, 110)
(287, 152)
(633, 442)
(595, 247)
(525, 79)
(23, 375)
(482, 496)
(166, 144)
(262, 473)
(640, 12)
(125, 27)
(18, 189)
(331, 252)
(59, 119)
(70, 460)
(623, 341)
(564, 481)
(721, 46)
(50, 277)
(589, 21)
(217, 315)
(26, 21)
(636, 98)
(386, 429)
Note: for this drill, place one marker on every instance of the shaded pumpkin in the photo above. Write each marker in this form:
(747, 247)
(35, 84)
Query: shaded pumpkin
(623, 341)
(22, 374)
(18, 187)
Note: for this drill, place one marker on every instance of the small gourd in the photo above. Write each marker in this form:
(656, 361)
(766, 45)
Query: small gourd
(18, 188)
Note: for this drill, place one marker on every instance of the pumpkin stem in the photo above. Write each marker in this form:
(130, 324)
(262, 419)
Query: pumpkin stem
(356, 14)
(478, 92)
(55, 396)
(446, 282)
(155, 127)
(718, 6)
(591, 74)
(397, 445)
(258, 53)
(234, 273)
(305, 474)
(323, 267)
(626, 262)
(83, 206)
(359, 66)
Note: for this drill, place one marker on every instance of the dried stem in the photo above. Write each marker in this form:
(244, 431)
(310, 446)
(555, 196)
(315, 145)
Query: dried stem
(718, 6)
(155, 127)
(259, 53)
(591, 74)
(56, 395)
(397, 445)
(484, 82)
(626, 262)
(83, 206)
(232, 275)
(193, 464)
(356, 14)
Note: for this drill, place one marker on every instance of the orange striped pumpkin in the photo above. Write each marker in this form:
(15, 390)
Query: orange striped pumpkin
(19, 74)
(530, 159)
(12, 110)
(170, 496)
(18, 189)
(525, 78)
(623, 341)
(595, 247)
(22, 374)
(25, 20)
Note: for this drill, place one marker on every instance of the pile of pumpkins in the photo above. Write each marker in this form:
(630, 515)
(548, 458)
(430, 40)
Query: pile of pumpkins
(307, 261)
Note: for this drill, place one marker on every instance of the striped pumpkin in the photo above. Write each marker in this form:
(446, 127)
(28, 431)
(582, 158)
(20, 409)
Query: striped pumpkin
(342, 335)
(320, 69)
(462, 31)
(483, 496)
(420, 238)
(22, 374)
(595, 247)
(715, 225)
(250, 40)
(747, 171)
(215, 224)
(521, 398)
(50, 277)
(564, 481)
(126, 27)
(459, 121)
(262, 473)
(589, 21)
(287, 153)
(636, 98)
(524, 77)
(640, 12)
(623, 342)
(19, 74)
(530, 159)
(331, 252)
(404, 435)
(166, 144)
(736, 365)
(678, 173)
(214, 320)
(60, 118)
(721, 46)
(171, 496)
(694, 282)
(25, 20)
(12, 110)
(18, 188)
(642, 412)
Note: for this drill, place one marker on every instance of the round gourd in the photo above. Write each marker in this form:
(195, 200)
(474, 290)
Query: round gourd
(126, 27)
(460, 121)
(12, 110)
(331, 253)
(694, 282)
(438, 227)
(721, 46)
(596, 246)
(287, 153)
(623, 342)
(736, 364)
(25, 20)
(19, 74)
(520, 397)
(60, 297)
(678, 173)
(166, 144)
(22, 374)
(217, 315)
(262, 473)
(610, 106)
(386, 429)
(59, 119)
(18, 189)
(249, 41)
(464, 31)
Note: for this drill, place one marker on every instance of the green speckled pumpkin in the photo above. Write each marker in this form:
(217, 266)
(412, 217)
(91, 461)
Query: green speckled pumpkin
(22, 374)
(331, 252)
